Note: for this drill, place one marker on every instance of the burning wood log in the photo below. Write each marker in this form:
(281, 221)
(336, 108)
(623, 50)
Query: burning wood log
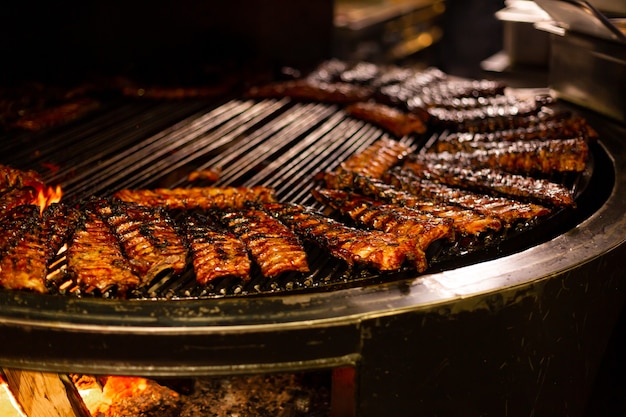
(45, 394)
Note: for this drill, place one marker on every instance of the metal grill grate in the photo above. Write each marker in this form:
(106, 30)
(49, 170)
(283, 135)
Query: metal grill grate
(275, 143)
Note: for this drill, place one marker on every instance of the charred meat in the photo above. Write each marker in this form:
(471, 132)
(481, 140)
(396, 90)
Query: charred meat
(494, 182)
(209, 175)
(567, 128)
(215, 252)
(148, 237)
(11, 178)
(95, 258)
(482, 121)
(508, 210)
(307, 90)
(492, 117)
(389, 118)
(425, 91)
(16, 197)
(373, 162)
(373, 248)
(198, 197)
(520, 157)
(271, 244)
(15, 223)
(418, 229)
(25, 265)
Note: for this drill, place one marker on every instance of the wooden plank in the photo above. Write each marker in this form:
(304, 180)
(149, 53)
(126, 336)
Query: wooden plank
(45, 394)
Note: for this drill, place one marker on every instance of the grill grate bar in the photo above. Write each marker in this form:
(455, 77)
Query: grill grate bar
(277, 142)
(314, 154)
(211, 140)
(85, 146)
(255, 144)
(101, 178)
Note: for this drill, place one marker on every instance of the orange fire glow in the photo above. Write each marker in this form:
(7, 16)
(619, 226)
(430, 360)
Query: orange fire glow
(47, 196)
(98, 400)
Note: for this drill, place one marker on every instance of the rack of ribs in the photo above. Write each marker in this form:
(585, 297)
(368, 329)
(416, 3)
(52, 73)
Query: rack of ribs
(148, 237)
(380, 250)
(198, 197)
(25, 265)
(508, 210)
(494, 181)
(215, 251)
(95, 259)
(271, 244)
(531, 157)
(416, 228)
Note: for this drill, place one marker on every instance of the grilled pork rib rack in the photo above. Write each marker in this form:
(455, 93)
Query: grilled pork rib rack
(496, 164)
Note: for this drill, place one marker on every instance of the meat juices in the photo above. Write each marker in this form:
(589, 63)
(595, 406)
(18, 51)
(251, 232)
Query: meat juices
(148, 238)
(215, 252)
(95, 259)
(373, 248)
(271, 244)
(25, 265)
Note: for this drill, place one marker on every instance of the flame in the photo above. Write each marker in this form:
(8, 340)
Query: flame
(47, 196)
(8, 404)
(125, 386)
(98, 399)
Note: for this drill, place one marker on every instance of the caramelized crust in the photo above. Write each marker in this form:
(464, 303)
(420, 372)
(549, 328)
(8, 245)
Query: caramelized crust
(417, 229)
(308, 90)
(198, 197)
(148, 237)
(25, 265)
(215, 252)
(16, 197)
(493, 182)
(374, 248)
(16, 222)
(520, 157)
(373, 162)
(508, 210)
(11, 178)
(272, 245)
(565, 127)
(389, 118)
(433, 88)
(95, 258)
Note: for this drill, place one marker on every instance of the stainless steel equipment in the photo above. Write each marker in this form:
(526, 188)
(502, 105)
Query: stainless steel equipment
(587, 58)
